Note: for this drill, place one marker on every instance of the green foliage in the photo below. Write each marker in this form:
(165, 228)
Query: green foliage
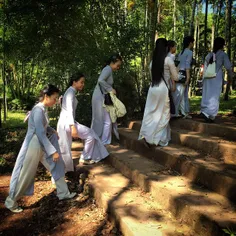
(21, 104)
(3, 165)
(11, 139)
(46, 41)
(2, 162)
(84, 109)
(229, 232)
(226, 107)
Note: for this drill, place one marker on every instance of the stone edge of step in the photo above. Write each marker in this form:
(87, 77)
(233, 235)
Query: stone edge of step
(222, 149)
(222, 132)
(211, 223)
(103, 202)
(185, 167)
(228, 134)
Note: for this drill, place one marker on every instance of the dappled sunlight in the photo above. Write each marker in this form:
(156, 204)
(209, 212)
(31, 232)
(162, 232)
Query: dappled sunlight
(179, 178)
(186, 193)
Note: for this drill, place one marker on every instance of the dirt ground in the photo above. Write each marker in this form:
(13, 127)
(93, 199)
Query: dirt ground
(227, 120)
(45, 215)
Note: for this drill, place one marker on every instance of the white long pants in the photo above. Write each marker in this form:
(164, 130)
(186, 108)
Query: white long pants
(87, 135)
(107, 128)
(33, 156)
(186, 99)
(179, 99)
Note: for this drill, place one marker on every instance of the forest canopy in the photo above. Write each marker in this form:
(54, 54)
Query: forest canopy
(45, 41)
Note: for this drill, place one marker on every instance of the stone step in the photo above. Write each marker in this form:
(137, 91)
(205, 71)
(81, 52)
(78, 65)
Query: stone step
(204, 211)
(220, 130)
(212, 145)
(135, 211)
(200, 169)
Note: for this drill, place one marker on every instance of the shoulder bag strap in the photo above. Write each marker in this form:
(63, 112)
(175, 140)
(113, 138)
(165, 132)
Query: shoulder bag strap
(165, 82)
(100, 88)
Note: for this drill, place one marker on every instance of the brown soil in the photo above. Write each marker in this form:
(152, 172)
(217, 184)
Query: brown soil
(227, 120)
(44, 214)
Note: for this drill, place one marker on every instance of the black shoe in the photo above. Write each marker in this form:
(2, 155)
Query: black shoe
(207, 120)
(146, 144)
(87, 162)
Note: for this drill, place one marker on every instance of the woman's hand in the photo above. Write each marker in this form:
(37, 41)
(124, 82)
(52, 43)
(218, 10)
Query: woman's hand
(56, 134)
(187, 77)
(55, 156)
(74, 132)
(173, 87)
(186, 82)
(114, 91)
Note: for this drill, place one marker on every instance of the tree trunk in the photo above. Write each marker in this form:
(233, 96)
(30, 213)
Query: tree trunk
(228, 16)
(191, 28)
(30, 80)
(213, 27)
(219, 8)
(0, 113)
(144, 55)
(146, 35)
(234, 64)
(212, 34)
(195, 54)
(205, 27)
(184, 21)
(153, 26)
(125, 7)
(4, 66)
(174, 21)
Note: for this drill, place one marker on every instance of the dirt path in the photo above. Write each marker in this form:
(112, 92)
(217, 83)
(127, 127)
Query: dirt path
(229, 120)
(44, 215)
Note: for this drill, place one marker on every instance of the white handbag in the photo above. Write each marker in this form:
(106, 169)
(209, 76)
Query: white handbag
(210, 71)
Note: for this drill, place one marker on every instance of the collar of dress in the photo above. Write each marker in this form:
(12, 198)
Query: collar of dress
(40, 104)
(73, 89)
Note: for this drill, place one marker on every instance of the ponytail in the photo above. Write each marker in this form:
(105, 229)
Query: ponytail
(75, 77)
(48, 90)
(218, 44)
(170, 44)
(187, 40)
(114, 58)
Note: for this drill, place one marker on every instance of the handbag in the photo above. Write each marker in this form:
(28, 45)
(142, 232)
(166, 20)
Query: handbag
(176, 61)
(210, 71)
(107, 97)
(182, 77)
(172, 105)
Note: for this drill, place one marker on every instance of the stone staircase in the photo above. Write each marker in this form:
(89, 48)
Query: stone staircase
(187, 188)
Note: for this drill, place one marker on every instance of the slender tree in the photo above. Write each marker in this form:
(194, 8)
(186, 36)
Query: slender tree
(174, 20)
(4, 63)
(205, 27)
(228, 16)
(191, 28)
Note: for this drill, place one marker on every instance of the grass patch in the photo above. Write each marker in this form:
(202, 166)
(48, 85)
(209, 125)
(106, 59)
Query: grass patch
(226, 107)
(15, 119)
(10, 143)
(11, 138)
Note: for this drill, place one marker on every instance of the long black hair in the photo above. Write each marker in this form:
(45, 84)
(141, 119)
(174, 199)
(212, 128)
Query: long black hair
(218, 44)
(158, 61)
(114, 58)
(187, 40)
(48, 90)
(75, 77)
(171, 44)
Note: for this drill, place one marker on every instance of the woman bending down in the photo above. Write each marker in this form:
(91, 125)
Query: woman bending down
(40, 144)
